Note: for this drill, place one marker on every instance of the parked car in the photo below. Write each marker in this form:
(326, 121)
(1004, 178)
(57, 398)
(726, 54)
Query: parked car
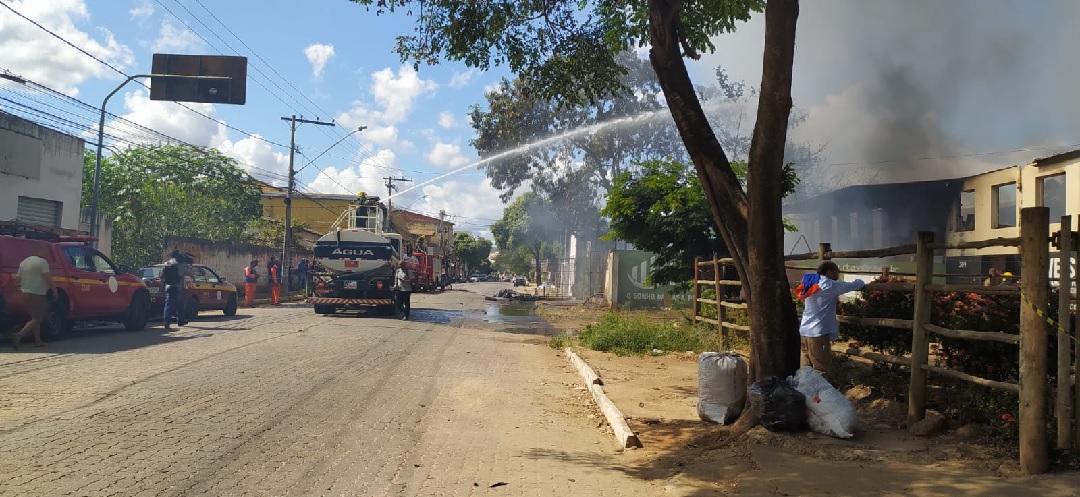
(519, 281)
(547, 285)
(89, 286)
(207, 291)
(474, 278)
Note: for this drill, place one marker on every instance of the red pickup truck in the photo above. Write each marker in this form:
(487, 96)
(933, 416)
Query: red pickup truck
(89, 287)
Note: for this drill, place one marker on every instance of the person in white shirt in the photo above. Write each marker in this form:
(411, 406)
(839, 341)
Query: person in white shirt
(37, 288)
(819, 292)
(403, 283)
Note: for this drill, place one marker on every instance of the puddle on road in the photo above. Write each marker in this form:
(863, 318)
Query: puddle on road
(508, 318)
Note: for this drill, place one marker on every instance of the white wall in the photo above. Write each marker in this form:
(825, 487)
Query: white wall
(41, 163)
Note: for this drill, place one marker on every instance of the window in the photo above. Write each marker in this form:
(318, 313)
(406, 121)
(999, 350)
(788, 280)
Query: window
(78, 258)
(1004, 202)
(211, 276)
(967, 211)
(1052, 195)
(198, 274)
(101, 264)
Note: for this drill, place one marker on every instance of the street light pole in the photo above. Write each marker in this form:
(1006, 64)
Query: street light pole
(101, 139)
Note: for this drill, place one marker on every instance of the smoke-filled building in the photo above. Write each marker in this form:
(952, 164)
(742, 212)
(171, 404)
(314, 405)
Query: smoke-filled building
(979, 207)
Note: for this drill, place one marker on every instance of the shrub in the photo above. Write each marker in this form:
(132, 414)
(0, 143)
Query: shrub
(634, 333)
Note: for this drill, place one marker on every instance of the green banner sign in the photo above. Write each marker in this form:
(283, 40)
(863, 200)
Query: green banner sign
(633, 268)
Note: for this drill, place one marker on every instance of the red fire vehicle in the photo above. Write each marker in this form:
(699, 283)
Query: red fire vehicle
(429, 272)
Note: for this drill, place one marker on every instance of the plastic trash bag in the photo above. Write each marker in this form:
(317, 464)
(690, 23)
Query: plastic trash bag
(783, 408)
(721, 386)
(829, 412)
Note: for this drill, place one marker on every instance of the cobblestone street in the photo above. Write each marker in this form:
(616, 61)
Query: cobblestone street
(280, 401)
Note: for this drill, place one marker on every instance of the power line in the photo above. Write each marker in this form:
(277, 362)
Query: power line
(110, 66)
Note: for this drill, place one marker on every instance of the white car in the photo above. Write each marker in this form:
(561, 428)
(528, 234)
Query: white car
(547, 285)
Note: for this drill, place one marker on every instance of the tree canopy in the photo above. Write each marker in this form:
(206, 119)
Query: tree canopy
(566, 50)
(151, 192)
(472, 251)
(528, 225)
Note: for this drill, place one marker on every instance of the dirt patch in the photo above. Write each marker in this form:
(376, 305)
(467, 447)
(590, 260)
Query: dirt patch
(658, 396)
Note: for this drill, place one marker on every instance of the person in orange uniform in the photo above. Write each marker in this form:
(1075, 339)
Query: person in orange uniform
(274, 269)
(251, 277)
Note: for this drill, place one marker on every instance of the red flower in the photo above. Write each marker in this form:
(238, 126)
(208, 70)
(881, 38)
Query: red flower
(1008, 418)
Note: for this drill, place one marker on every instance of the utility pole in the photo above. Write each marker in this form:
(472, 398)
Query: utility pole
(390, 189)
(285, 262)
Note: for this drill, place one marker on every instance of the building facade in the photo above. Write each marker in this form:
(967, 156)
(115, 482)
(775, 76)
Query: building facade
(40, 174)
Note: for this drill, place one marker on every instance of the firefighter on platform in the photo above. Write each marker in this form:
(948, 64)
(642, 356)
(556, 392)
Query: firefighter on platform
(251, 277)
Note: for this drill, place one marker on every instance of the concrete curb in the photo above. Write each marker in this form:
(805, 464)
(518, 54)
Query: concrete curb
(623, 434)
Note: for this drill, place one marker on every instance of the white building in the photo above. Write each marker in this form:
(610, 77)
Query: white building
(40, 174)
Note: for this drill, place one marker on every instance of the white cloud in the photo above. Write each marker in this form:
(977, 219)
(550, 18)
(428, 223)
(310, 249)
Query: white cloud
(367, 177)
(318, 55)
(463, 78)
(447, 120)
(473, 206)
(142, 10)
(170, 119)
(28, 51)
(258, 158)
(447, 155)
(175, 39)
(393, 101)
(397, 94)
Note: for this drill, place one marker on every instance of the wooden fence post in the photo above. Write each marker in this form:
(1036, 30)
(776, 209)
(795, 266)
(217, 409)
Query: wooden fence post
(696, 306)
(1064, 348)
(823, 251)
(719, 295)
(1035, 259)
(920, 347)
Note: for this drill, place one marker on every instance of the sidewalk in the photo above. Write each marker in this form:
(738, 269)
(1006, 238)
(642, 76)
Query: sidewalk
(658, 396)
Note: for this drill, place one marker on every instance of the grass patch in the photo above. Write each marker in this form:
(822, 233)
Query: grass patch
(637, 333)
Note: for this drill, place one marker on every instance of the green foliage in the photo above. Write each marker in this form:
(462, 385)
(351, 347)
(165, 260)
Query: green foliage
(635, 333)
(663, 210)
(563, 49)
(513, 261)
(528, 225)
(472, 251)
(155, 191)
(270, 233)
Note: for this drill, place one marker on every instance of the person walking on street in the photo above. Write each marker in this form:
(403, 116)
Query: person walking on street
(175, 276)
(274, 270)
(403, 283)
(251, 278)
(37, 289)
(819, 292)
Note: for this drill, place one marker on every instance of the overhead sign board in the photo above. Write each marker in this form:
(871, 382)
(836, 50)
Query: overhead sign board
(194, 89)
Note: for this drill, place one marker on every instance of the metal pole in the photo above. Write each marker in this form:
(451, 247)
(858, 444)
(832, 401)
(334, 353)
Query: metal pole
(97, 161)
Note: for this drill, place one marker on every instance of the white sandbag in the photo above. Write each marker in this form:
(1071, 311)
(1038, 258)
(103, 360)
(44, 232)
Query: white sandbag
(721, 386)
(829, 412)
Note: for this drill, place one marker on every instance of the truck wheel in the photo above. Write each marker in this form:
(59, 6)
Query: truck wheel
(325, 309)
(191, 310)
(138, 312)
(56, 324)
(230, 308)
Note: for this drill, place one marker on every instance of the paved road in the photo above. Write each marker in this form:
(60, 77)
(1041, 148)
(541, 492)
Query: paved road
(280, 401)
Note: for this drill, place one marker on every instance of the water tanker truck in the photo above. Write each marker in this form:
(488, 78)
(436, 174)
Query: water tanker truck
(355, 265)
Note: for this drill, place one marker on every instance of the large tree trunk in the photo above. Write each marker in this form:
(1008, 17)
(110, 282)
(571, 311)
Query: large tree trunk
(755, 242)
(727, 200)
(774, 336)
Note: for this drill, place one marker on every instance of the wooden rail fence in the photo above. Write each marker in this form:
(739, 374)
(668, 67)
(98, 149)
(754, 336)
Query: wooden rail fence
(1032, 340)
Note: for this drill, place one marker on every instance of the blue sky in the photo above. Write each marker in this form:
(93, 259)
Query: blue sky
(893, 92)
